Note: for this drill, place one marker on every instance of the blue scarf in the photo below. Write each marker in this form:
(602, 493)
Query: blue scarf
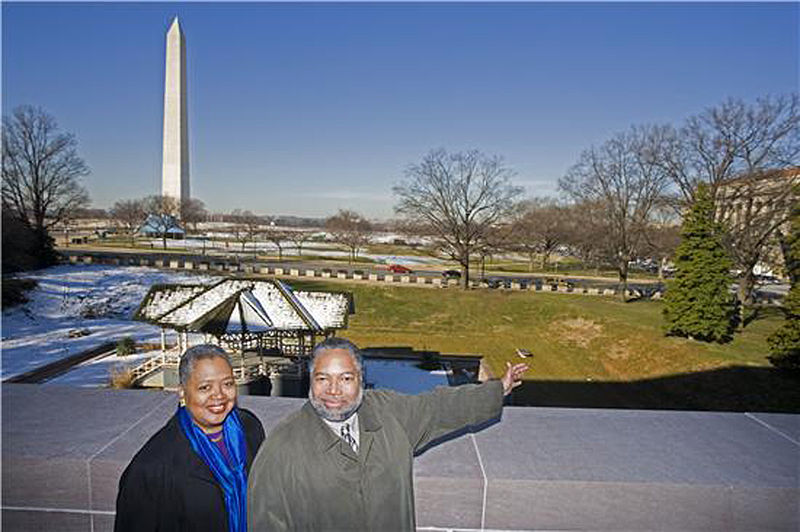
(232, 478)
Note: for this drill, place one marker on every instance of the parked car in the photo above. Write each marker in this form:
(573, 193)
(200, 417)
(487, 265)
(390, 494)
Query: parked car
(496, 282)
(398, 268)
(524, 282)
(451, 274)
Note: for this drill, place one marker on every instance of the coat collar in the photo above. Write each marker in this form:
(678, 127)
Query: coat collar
(326, 440)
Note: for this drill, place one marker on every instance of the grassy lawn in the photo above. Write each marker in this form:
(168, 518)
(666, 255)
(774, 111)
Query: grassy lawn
(588, 351)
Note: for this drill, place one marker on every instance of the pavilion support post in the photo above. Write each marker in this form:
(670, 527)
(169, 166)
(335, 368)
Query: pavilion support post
(163, 340)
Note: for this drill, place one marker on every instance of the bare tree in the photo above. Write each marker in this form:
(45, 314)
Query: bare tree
(731, 140)
(193, 211)
(161, 215)
(587, 233)
(350, 229)
(739, 150)
(457, 198)
(277, 236)
(41, 173)
(662, 235)
(539, 229)
(299, 238)
(498, 238)
(246, 226)
(67, 224)
(129, 215)
(753, 210)
(623, 177)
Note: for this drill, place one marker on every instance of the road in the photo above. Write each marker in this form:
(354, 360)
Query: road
(495, 278)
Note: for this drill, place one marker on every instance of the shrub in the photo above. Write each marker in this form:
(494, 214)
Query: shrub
(14, 291)
(121, 377)
(784, 346)
(125, 346)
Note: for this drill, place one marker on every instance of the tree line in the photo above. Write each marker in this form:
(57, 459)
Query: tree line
(622, 199)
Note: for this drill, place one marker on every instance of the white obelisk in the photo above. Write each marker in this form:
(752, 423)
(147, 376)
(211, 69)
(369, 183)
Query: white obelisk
(175, 162)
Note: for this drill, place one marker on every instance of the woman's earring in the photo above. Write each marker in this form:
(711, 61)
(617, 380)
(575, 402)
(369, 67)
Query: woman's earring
(182, 402)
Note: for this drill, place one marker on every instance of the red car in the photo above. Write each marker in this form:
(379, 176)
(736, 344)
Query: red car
(398, 268)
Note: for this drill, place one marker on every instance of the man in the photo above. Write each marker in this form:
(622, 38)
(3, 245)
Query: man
(343, 462)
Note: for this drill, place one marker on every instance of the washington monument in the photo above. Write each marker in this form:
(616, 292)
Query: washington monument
(175, 162)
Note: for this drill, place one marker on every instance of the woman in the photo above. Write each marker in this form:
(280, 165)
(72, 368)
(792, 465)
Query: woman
(192, 474)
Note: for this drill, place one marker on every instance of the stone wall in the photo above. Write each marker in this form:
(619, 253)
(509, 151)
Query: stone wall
(64, 449)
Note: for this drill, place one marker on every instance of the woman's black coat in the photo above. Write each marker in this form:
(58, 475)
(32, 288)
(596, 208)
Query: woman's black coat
(168, 487)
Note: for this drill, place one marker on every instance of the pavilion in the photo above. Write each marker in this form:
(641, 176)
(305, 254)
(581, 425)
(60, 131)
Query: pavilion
(263, 321)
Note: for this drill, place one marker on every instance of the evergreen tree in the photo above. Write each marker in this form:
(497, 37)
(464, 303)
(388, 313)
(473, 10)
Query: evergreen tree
(784, 344)
(699, 303)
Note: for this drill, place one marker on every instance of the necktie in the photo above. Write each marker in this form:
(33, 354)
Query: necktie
(348, 437)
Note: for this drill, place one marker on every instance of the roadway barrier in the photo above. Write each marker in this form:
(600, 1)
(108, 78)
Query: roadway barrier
(538, 285)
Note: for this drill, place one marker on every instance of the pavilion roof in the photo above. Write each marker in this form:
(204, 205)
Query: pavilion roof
(243, 305)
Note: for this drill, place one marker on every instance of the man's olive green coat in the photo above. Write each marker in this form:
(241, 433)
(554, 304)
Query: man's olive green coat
(305, 477)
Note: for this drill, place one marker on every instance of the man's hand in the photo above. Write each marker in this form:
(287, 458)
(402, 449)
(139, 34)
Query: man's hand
(513, 376)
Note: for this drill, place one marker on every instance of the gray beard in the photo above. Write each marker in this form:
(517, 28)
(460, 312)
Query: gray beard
(330, 415)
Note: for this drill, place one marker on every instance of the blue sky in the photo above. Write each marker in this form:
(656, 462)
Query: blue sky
(305, 108)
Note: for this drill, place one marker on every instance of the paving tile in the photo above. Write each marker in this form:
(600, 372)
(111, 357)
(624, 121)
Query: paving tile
(455, 458)
(765, 508)
(636, 446)
(448, 502)
(65, 421)
(102, 523)
(25, 521)
(547, 468)
(787, 424)
(525, 505)
(108, 465)
(45, 482)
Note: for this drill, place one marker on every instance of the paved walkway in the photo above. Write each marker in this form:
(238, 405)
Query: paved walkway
(537, 469)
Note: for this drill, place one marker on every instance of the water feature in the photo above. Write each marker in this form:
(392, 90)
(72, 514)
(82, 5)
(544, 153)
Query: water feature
(404, 376)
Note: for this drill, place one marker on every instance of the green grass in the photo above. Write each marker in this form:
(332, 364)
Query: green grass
(588, 351)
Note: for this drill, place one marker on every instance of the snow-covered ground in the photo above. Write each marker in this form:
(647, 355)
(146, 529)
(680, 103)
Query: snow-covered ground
(99, 298)
(319, 249)
(97, 373)
(102, 300)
